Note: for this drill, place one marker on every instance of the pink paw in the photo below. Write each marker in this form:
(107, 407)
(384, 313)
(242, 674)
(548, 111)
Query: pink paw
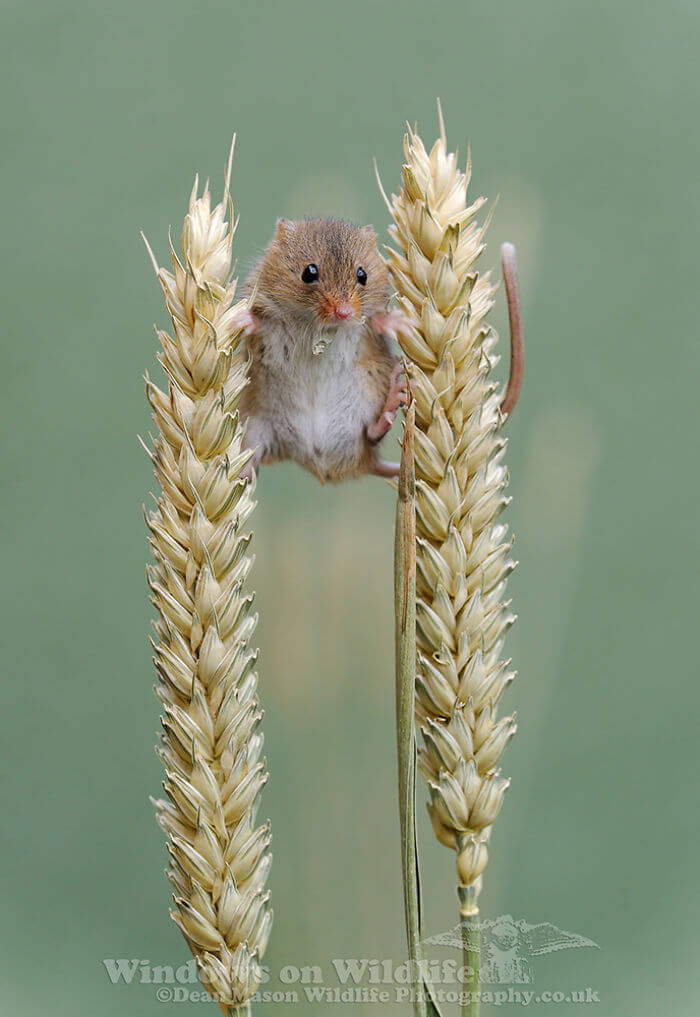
(390, 323)
(244, 319)
(398, 396)
(398, 390)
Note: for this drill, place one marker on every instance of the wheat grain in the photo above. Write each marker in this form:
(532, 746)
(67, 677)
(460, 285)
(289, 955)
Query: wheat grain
(462, 551)
(207, 681)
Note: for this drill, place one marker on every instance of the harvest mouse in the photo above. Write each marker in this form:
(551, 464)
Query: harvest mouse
(324, 385)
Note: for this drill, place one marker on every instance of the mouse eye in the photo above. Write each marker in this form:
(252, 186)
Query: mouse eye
(310, 274)
(361, 276)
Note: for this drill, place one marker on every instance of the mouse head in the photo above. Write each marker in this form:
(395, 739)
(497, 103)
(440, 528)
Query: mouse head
(325, 271)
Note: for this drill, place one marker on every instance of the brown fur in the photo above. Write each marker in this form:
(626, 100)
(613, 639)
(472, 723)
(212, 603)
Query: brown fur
(315, 409)
(338, 249)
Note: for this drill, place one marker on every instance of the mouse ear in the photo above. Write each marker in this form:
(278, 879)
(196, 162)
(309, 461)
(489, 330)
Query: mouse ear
(370, 231)
(284, 228)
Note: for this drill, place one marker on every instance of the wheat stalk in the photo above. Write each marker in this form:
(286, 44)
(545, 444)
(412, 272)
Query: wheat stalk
(462, 551)
(210, 745)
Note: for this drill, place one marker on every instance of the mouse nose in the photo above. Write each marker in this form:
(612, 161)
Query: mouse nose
(342, 312)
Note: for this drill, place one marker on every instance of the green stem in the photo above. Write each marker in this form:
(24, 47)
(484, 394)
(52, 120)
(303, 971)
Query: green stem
(238, 1011)
(469, 924)
(405, 608)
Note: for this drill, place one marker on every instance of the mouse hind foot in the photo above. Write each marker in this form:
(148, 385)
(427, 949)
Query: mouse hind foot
(382, 468)
(397, 397)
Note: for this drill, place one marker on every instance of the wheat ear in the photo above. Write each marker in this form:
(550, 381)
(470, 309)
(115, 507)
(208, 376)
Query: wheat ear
(207, 682)
(462, 552)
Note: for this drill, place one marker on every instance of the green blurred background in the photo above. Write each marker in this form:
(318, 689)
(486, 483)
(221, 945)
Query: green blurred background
(583, 116)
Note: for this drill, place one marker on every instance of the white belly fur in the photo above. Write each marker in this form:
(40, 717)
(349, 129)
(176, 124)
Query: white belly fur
(315, 407)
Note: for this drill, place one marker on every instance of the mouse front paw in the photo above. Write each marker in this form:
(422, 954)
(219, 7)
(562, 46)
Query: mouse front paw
(390, 323)
(244, 320)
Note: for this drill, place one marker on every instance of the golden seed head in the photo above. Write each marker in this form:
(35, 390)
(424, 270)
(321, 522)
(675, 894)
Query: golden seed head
(210, 746)
(462, 551)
